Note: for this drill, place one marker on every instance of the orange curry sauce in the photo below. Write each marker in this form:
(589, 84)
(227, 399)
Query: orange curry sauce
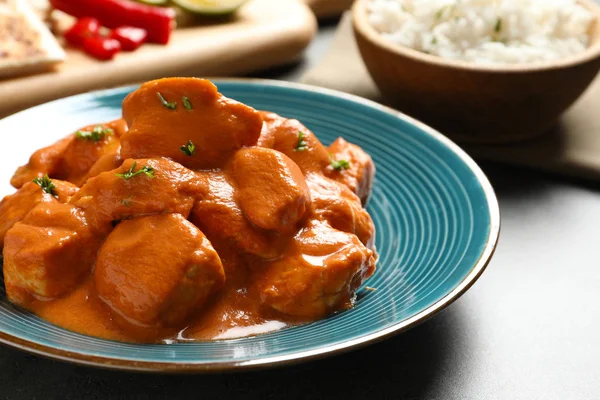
(194, 217)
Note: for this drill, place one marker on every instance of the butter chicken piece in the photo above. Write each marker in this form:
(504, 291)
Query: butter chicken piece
(360, 172)
(138, 187)
(271, 190)
(90, 144)
(119, 127)
(218, 215)
(157, 270)
(271, 122)
(293, 139)
(62, 190)
(296, 141)
(70, 158)
(44, 161)
(15, 207)
(318, 274)
(48, 252)
(107, 162)
(340, 207)
(167, 114)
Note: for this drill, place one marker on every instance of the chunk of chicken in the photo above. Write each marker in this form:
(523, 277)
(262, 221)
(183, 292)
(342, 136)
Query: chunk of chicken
(318, 273)
(119, 127)
(217, 214)
(271, 122)
(70, 158)
(271, 191)
(107, 162)
(360, 172)
(161, 122)
(45, 161)
(15, 207)
(48, 252)
(83, 152)
(157, 270)
(340, 207)
(128, 191)
(283, 135)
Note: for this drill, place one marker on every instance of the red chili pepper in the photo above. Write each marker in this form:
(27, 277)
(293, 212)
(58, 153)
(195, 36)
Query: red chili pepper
(84, 27)
(157, 21)
(130, 37)
(103, 48)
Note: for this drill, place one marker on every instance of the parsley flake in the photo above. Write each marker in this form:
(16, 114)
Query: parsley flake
(96, 134)
(146, 170)
(46, 184)
(339, 165)
(301, 145)
(188, 149)
(442, 11)
(171, 105)
(498, 26)
(187, 104)
(127, 201)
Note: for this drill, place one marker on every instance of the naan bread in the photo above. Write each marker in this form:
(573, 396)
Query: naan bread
(26, 45)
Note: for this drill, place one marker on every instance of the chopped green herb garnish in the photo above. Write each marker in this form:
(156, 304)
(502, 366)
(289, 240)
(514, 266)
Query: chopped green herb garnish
(434, 40)
(498, 26)
(301, 145)
(186, 103)
(46, 184)
(188, 149)
(170, 105)
(96, 134)
(338, 165)
(440, 13)
(146, 170)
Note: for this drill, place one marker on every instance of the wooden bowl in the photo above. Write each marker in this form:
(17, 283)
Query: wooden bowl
(474, 103)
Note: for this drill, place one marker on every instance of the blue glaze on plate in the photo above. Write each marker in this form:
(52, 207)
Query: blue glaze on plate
(436, 216)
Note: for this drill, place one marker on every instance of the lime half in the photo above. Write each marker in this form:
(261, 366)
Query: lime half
(210, 7)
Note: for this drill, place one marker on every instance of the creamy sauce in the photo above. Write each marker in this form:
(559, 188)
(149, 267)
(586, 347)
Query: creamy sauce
(243, 331)
(227, 318)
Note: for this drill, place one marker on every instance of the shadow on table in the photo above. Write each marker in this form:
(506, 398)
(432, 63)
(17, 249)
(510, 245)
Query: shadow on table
(405, 366)
(515, 181)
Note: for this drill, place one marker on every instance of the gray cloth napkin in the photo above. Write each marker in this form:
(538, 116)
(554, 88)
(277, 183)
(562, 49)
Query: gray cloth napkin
(571, 148)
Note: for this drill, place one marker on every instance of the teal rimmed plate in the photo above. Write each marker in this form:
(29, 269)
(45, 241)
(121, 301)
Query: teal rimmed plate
(436, 215)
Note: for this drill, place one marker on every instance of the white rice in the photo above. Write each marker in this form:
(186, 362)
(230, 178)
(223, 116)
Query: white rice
(485, 31)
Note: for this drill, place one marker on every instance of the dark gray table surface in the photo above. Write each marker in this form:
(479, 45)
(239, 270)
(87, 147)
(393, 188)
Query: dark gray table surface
(528, 329)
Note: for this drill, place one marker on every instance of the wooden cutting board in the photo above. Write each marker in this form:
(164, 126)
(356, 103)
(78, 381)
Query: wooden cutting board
(329, 8)
(264, 33)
